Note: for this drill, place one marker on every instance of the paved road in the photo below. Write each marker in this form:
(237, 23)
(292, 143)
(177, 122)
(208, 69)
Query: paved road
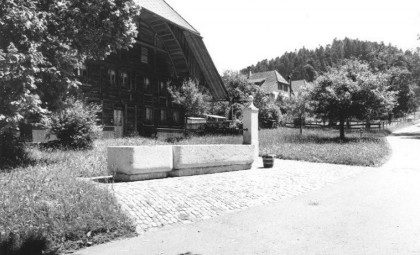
(367, 212)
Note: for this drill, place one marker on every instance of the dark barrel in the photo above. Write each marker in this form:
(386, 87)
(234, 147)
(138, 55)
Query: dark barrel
(268, 161)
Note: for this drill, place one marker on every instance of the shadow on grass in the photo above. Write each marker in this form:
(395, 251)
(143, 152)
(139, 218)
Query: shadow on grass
(28, 244)
(25, 160)
(331, 140)
(10, 165)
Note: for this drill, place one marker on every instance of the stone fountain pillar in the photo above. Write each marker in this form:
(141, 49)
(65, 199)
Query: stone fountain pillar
(250, 125)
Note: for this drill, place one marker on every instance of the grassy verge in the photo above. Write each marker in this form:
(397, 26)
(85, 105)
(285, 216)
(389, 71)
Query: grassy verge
(323, 146)
(48, 197)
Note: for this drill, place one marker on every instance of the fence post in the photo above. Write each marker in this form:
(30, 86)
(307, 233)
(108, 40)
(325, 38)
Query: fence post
(250, 125)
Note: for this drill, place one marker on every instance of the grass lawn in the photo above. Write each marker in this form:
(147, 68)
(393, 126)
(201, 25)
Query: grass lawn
(50, 198)
(317, 145)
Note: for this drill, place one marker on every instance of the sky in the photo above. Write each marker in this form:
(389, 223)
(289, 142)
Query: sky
(239, 33)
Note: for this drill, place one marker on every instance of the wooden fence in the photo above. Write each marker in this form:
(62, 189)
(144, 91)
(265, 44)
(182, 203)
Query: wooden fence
(360, 125)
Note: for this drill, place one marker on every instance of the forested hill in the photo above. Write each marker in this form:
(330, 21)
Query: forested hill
(306, 64)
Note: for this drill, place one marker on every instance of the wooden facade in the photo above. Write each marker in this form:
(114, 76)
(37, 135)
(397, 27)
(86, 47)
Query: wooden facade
(132, 85)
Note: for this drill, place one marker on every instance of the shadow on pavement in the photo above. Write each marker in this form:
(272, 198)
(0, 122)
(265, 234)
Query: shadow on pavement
(411, 137)
(408, 134)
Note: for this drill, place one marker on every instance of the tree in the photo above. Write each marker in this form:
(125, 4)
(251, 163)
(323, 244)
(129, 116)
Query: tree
(17, 99)
(351, 90)
(299, 106)
(194, 100)
(43, 41)
(402, 82)
(310, 73)
(269, 115)
(238, 90)
(299, 63)
(374, 98)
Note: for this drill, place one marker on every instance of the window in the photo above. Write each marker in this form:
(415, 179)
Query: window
(149, 114)
(176, 116)
(144, 55)
(133, 81)
(124, 79)
(162, 86)
(118, 118)
(81, 71)
(112, 77)
(146, 84)
(163, 115)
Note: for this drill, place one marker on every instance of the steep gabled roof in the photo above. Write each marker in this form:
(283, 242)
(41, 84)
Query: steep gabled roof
(267, 80)
(161, 8)
(210, 73)
(167, 23)
(269, 76)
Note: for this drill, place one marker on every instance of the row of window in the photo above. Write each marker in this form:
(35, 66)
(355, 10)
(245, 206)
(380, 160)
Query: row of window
(283, 87)
(176, 115)
(126, 81)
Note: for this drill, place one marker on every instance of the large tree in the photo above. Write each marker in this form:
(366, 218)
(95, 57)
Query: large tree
(352, 90)
(58, 36)
(52, 38)
(402, 82)
(42, 42)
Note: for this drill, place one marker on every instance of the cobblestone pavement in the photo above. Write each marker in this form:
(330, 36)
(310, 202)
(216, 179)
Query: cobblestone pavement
(157, 203)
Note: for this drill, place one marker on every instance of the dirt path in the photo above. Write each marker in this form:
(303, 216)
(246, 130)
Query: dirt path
(373, 212)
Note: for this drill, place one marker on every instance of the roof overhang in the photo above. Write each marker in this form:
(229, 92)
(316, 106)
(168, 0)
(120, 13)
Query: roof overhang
(209, 70)
(164, 10)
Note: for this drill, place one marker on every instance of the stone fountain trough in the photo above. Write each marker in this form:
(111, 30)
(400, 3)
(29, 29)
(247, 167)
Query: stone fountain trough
(136, 163)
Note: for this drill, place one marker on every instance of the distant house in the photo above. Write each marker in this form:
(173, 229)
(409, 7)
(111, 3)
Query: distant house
(271, 82)
(299, 85)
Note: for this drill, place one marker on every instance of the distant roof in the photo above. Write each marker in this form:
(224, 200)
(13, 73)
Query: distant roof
(161, 8)
(215, 116)
(267, 80)
(269, 76)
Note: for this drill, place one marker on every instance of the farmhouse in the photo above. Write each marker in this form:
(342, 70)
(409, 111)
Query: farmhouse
(132, 85)
(271, 82)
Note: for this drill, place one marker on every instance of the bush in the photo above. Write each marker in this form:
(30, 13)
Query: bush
(270, 116)
(12, 150)
(218, 128)
(191, 96)
(76, 125)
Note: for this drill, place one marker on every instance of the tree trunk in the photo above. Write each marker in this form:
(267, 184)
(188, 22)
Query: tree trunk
(342, 134)
(300, 126)
(368, 125)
